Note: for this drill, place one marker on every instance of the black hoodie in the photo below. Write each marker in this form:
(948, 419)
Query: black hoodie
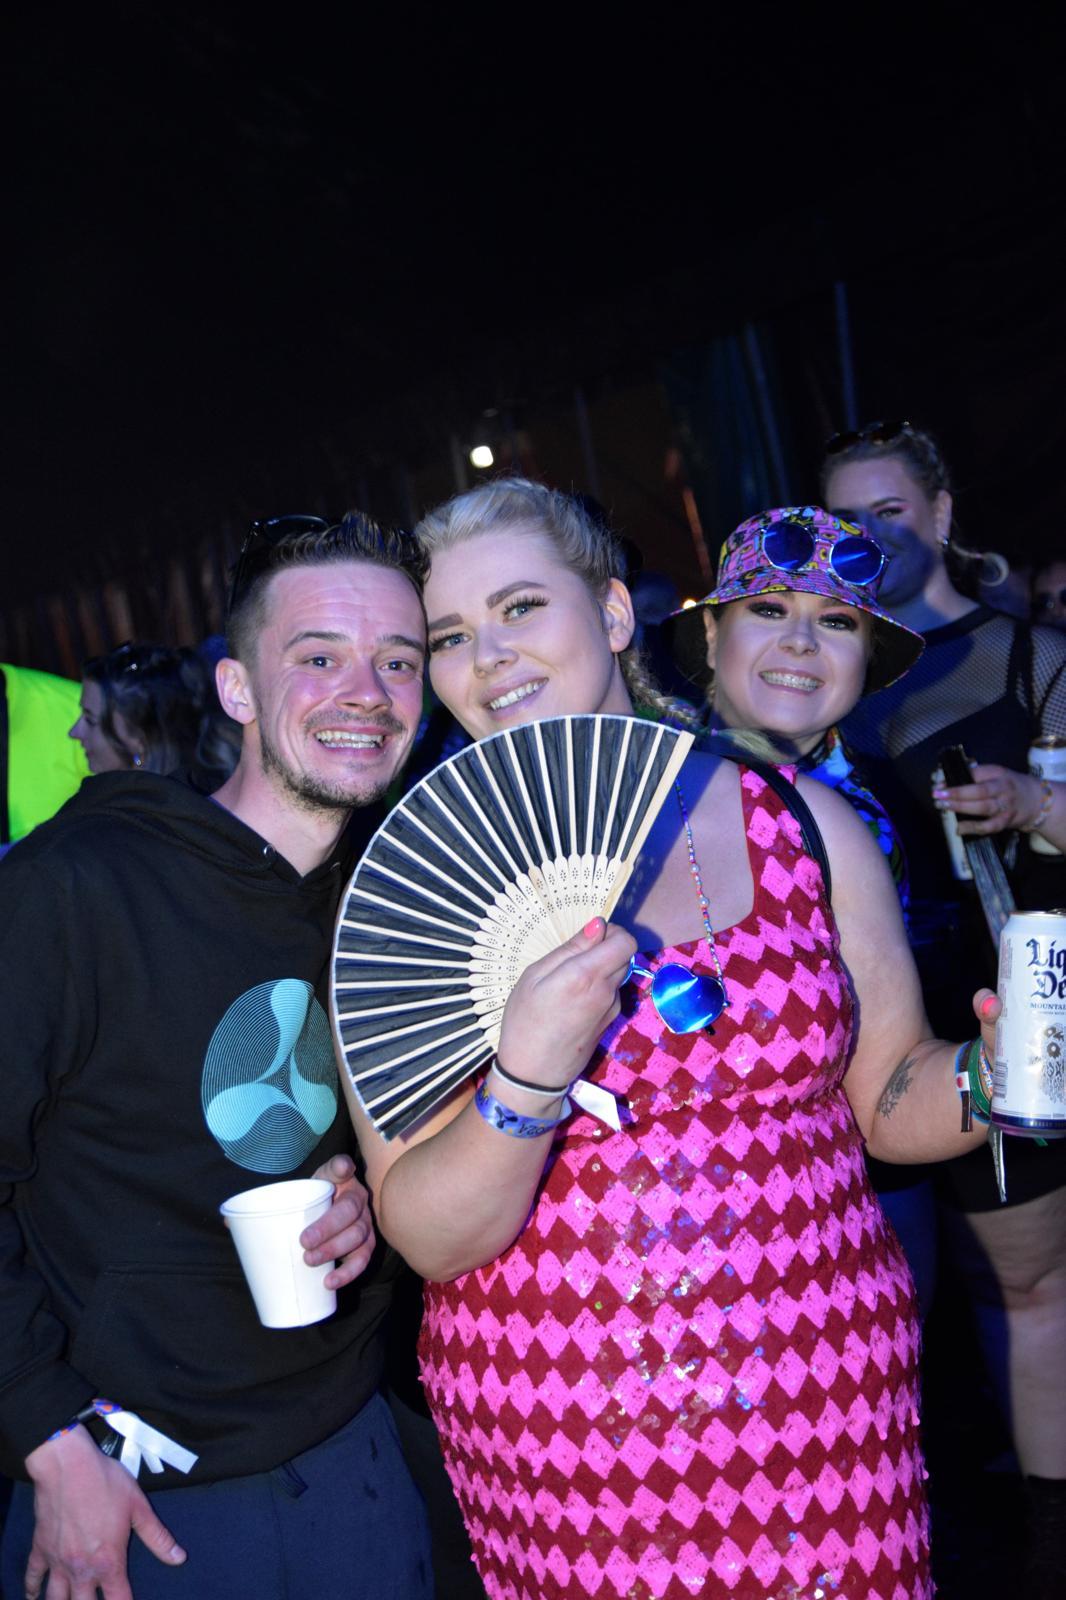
(163, 989)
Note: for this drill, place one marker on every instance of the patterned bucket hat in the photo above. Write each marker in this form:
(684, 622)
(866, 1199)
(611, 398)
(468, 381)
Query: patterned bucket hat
(804, 548)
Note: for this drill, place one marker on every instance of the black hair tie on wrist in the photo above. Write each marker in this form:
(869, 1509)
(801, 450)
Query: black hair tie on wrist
(544, 1089)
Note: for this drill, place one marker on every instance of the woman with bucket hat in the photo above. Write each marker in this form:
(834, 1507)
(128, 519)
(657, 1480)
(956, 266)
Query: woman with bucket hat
(799, 588)
(821, 641)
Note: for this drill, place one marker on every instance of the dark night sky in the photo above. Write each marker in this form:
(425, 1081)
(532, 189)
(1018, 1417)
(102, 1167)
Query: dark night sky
(231, 235)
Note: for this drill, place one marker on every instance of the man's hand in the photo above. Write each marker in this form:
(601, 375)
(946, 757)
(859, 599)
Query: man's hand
(346, 1232)
(85, 1505)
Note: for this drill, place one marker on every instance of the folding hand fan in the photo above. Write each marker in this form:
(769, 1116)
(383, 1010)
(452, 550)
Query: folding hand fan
(494, 859)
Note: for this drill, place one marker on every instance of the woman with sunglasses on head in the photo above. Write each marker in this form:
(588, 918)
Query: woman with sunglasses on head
(993, 685)
(679, 1355)
(789, 656)
(154, 709)
(828, 614)
(986, 680)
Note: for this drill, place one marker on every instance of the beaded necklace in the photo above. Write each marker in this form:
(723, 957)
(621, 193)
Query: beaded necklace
(694, 868)
(687, 1001)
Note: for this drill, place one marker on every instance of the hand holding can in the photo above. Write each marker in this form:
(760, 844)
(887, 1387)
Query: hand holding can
(1029, 1077)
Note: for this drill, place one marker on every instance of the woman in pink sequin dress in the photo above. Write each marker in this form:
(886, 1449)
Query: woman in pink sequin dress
(679, 1359)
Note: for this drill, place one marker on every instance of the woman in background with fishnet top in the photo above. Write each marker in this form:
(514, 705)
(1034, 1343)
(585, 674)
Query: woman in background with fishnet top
(993, 685)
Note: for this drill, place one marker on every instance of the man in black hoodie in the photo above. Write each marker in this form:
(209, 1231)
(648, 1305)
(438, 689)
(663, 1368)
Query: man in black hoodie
(165, 966)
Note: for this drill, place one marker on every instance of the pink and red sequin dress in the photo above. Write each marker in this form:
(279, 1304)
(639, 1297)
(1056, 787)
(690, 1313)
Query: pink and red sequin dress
(694, 1372)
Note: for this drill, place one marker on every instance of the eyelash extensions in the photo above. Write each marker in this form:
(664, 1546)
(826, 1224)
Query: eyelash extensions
(533, 601)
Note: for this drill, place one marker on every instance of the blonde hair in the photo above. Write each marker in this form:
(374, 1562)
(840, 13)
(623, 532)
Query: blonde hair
(582, 542)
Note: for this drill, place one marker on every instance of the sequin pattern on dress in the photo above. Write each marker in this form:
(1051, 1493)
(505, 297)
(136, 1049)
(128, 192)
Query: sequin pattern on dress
(694, 1373)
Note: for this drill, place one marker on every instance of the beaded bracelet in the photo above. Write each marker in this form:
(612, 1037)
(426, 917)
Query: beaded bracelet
(973, 1080)
(542, 1089)
(1045, 808)
(513, 1122)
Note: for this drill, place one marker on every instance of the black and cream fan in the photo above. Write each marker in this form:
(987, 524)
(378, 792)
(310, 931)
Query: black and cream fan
(493, 860)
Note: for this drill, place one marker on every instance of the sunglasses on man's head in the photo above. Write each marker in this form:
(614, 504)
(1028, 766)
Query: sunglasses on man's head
(872, 433)
(262, 535)
(128, 657)
(790, 546)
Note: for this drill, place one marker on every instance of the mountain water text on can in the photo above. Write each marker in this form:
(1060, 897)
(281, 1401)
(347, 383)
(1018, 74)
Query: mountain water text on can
(1029, 1078)
(1047, 759)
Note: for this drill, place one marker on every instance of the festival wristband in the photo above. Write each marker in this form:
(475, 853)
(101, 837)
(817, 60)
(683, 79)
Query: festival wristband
(591, 1097)
(980, 1064)
(514, 1123)
(139, 1442)
(93, 1419)
(973, 1080)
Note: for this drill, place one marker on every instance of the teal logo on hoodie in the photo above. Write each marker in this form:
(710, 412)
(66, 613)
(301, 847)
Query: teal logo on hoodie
(269, 1086)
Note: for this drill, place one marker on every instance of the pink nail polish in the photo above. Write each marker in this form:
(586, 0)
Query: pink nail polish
(592, 928)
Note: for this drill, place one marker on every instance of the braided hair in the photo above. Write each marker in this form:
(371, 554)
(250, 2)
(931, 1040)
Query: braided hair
(583, 542)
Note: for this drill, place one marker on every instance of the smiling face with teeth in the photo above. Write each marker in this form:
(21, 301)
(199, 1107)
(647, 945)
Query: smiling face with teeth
(787, 662)
(331, 700)
(515, 635)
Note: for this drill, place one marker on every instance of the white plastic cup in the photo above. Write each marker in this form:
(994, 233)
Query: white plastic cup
(266, 1224)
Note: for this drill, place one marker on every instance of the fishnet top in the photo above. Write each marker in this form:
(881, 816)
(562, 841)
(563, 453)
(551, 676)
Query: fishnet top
(985, 681)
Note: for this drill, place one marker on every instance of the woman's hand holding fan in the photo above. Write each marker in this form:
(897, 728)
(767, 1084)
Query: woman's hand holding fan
(491, 863)
(563, 1003)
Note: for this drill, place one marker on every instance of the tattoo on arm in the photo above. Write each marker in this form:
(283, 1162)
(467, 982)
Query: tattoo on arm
(896, 1087)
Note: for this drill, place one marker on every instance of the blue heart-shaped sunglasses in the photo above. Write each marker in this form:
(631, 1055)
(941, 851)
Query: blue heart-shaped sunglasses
(686, 1001)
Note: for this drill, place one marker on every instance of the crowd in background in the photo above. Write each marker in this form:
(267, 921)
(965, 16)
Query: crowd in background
(989, 678)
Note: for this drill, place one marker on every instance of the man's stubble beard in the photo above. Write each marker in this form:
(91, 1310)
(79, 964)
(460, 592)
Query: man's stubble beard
(313, 794)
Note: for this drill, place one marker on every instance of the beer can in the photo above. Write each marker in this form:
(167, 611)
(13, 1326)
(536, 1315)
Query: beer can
(1047, 759)
(960, 864)
(1029, 1075)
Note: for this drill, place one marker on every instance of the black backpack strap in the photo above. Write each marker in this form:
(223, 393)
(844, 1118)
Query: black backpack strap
(1021, 675)
(787, 792)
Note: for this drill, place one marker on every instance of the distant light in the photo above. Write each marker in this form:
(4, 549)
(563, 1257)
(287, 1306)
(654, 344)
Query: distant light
(481, 456)
(686, 605)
